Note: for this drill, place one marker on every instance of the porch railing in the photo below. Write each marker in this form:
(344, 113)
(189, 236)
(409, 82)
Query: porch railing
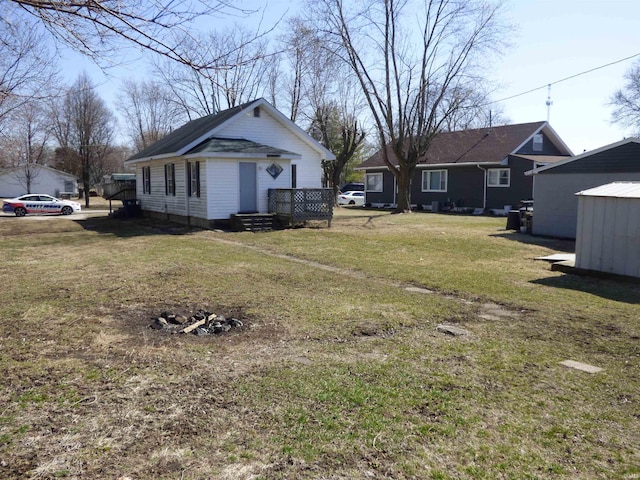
(298, 205)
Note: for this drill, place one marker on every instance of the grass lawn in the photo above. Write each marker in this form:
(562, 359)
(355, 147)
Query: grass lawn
(338, 372)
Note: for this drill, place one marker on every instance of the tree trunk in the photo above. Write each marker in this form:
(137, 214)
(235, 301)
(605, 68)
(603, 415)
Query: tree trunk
(403, 179)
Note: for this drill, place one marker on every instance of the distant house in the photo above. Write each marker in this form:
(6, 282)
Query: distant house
(225, 164)
(472, 169)
(34, 178)
(555, 186)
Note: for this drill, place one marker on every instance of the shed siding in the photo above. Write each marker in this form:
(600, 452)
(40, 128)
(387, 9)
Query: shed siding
(555, 202)
(609, 235)
(266, 129)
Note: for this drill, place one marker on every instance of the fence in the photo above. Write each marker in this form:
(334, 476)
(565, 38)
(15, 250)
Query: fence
(298, 205)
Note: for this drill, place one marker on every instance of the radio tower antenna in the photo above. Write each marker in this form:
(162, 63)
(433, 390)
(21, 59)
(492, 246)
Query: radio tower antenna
(549, 102)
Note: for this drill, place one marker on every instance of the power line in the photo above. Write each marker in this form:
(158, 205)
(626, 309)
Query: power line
(547, 85)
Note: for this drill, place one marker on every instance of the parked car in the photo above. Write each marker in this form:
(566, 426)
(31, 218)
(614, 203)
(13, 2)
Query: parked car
(39, 203)
(352, 187)
(351, 198)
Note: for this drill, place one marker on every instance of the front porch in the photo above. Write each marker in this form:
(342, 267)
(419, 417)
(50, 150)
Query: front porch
(298, 205)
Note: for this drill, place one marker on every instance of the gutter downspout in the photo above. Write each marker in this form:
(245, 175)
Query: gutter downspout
(484, 187)
(187, 186)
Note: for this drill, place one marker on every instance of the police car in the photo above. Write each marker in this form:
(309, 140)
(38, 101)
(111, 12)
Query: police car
(39, 203)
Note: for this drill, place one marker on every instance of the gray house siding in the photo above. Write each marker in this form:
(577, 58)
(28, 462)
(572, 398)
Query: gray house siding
(625, 158)
(548, 148)
(387, 196)
(556, 205)
(464, 187)
(520, 188)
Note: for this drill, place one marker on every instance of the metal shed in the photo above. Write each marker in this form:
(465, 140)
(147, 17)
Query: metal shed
(608, 230)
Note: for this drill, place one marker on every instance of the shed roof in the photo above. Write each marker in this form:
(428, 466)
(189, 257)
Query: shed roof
(615, 190)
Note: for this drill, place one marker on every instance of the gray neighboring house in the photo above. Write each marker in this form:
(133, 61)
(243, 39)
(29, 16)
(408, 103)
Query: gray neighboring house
(555, 186)
(18, 181)
(482, 168)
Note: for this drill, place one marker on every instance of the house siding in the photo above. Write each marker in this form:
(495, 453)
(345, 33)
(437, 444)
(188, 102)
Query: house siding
(267, 130)
(555, 202)
(548, 148)
(44, 180)
(223, 176)
(625, 158)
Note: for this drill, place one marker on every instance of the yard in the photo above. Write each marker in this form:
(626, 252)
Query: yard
(338, 372)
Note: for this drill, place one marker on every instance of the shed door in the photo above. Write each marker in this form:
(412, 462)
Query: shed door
(248, 188)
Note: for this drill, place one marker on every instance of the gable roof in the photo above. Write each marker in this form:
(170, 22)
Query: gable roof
(479, 145)
(41, 167)
(226, 146)
(192, 135)
(585, 155)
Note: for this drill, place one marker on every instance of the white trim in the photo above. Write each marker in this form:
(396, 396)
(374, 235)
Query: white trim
(498, 185)
(429, 172)
(535, 171)
(366, 182)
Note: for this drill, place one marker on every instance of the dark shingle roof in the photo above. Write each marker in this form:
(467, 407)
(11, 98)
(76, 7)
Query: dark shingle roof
(237, 145)
(188, 133)
(480, 145)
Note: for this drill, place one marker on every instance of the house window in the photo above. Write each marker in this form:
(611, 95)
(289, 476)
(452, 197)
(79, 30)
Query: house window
(538, 140)
(193, 171)
(170, 179)
(146, 179)
(256, 112)
(434, 181)
(374, 182)
(498, 177)
(294, 175)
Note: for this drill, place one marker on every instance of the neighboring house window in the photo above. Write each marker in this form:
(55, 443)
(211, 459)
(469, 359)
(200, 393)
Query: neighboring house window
(434, 181)
(194, 178)
(170, 179)
(146, 179)
(538, 140)
(374, 182)
(498, 177)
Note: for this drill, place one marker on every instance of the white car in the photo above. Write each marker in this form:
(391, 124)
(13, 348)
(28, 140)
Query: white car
(351, 198)
(39, 203)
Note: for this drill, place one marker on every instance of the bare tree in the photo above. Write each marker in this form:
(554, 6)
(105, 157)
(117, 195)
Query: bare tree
(471, 108)
(148, 111)
(239, 70)
(406, 73)
(342, 135)
(27, 69)
(626, 101)
(84, 128)
(99, 29)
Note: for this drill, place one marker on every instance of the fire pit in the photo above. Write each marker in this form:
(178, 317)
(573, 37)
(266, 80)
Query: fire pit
(200, 323)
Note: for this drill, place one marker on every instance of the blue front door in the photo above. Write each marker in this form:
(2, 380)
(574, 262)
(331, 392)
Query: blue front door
(248, 188)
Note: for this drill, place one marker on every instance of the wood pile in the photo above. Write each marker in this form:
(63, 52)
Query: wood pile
(200, 323)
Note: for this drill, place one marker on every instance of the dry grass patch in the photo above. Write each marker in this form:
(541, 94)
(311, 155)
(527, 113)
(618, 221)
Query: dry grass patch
(338, 373)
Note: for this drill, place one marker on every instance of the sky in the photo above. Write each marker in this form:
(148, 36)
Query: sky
(551, 40)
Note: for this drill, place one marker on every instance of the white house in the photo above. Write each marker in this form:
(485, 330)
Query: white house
(36, 179)
(225, 164)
